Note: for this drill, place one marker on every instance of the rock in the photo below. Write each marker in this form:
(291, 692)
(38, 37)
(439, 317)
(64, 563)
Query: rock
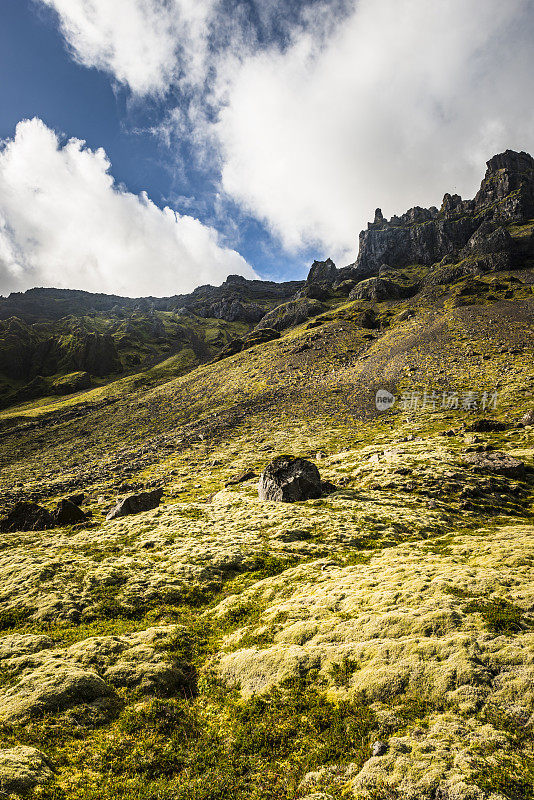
(376, 290)
(497, 462)
(316, 291)
(22, 769)
(53, 687)
(344, 287)
(322, 272)
(260, 336)
(289, 314)
(27, 516)
(528, 418)
(68, 513)
(427, 236)
(77, 499)
(244, 476)
(379, 748)
(486, 426)
(288, 479)
(135, 503)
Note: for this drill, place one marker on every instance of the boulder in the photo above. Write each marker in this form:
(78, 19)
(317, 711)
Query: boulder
(528, 418)
(288, 479)
(486, 426)
(27, 516)
(497, 462)
(68, 513)
(135, 503)
(22, 769)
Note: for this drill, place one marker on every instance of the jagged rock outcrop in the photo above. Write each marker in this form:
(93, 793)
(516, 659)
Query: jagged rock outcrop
(260, 336)
(289, 314)
(376, 290)
(426, 236)
(322, 272)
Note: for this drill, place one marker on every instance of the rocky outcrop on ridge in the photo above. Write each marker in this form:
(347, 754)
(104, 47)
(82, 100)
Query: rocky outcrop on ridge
(427, 235)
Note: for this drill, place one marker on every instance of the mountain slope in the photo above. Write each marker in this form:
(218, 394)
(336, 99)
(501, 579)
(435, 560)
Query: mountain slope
(373, 643)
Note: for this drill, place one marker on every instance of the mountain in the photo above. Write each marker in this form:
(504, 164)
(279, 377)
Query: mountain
(373, 641)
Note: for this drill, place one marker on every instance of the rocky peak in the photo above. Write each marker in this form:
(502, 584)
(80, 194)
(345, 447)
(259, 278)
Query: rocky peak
(426, 235)
(507, 191)
(322, 272)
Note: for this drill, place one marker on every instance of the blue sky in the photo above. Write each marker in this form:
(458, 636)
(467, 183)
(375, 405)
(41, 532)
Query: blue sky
(273, 129)
(40, 79)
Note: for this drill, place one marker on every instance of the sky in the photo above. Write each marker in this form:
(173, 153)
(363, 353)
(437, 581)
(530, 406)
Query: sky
(151, 146)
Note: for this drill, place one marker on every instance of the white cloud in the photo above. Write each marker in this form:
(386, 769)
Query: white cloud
(403, 101)
(326, 108)
(144, 44)
(64, 223)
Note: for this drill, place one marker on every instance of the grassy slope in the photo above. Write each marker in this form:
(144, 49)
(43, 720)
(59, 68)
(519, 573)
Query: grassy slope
(399, 608)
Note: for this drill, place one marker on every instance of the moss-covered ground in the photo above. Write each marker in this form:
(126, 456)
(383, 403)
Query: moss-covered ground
(219, 647)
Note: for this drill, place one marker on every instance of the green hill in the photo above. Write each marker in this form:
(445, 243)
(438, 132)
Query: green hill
(373, 643)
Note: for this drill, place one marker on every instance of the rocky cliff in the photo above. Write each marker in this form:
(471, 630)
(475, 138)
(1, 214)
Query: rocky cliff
(427, 235)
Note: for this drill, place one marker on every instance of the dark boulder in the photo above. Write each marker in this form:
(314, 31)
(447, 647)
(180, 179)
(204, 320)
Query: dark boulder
(77, 499)
(288, 479)
(497, 463)
(486, 426)
(67, 513)
(135, 503)
(27, 516)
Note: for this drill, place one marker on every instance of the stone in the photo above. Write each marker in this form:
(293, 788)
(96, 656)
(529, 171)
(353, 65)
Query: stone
(288, 479)
(136, 503)
(22, 769)
(379, 748)
(528, 418)
(67, 513)
(27, 516)
(247, 475)
(496, 462)
(77, 499)
(292, 313)
(486, 426)
(259, 336)
(375, 290)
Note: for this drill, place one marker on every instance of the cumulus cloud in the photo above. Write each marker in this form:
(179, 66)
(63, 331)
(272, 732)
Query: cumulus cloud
(324, 109)
(144, 44)
(403, 101)
(65, 223)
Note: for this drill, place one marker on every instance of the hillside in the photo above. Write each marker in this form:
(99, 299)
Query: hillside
(372, 643)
